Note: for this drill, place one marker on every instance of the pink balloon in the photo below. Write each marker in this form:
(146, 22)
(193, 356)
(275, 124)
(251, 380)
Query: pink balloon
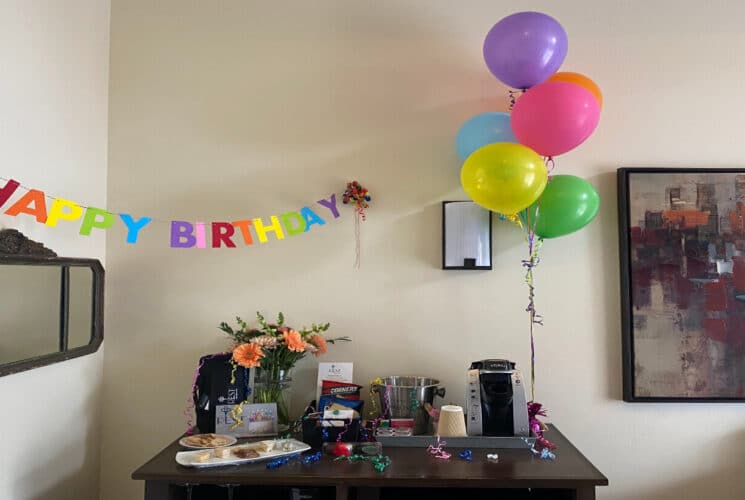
(554, 117)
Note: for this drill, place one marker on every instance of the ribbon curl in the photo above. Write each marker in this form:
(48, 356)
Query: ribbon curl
(529, 264)
(437, 450)
(358, 196)
(379, 462)
(536, 410)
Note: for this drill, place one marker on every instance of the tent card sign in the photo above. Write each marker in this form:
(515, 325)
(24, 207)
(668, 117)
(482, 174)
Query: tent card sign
(183, 234)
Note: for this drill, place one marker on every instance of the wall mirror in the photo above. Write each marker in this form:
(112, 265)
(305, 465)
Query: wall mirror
(466, 236)
(51, 310)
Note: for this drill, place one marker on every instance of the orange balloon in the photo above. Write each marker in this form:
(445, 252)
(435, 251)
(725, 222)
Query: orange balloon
(581, 80)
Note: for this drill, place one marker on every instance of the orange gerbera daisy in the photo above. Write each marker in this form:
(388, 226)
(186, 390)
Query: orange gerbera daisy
(294, 341)
(319, 342)
(248, 355)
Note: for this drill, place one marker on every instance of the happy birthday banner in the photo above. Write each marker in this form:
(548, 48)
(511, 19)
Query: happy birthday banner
(183, 234)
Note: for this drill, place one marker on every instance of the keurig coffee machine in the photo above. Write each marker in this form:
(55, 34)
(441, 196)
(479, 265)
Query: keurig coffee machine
(495, 399)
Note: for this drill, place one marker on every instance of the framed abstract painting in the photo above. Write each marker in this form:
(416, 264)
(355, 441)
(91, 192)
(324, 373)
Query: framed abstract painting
(682, 249)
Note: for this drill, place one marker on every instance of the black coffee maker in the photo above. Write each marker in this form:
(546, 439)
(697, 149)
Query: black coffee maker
(495, 399)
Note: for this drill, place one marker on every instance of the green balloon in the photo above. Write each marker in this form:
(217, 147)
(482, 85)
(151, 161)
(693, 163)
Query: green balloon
(567, 205)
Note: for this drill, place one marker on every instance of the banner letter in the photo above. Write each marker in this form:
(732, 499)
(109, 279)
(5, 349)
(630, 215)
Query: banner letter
(311, 218)
(58, 212)
(331, 205)
(182, 234)
(23, 206)
(90, 220)
(243, 225)
(201, 236)
(287, 222)
(221, 233)
(134, 226)
(275, 226)
(8, 190)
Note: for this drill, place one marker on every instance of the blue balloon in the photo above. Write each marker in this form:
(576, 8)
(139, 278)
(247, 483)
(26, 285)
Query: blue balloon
(483, 129)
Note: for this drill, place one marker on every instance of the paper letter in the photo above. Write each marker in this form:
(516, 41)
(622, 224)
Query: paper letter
(90, 220)
(134, 226)
(8, 190)
(275, 226)
(181, 234)
(221, 233)
(287, 222)
(311, 218)
(201, 236)
(58, 212)
(331, 205)
(23, 205)
(243, 225)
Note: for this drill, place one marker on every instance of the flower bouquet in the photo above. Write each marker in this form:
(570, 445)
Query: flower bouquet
(274, 349)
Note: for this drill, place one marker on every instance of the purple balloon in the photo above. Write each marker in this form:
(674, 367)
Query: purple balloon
(524, 49)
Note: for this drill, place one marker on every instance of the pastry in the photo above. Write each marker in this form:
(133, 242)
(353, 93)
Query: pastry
(265, 446)
(221, 452)
(245, 453)
(201, 456)
(206, 441)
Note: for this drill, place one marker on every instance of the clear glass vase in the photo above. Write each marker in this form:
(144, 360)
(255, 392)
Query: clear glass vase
(272, 385)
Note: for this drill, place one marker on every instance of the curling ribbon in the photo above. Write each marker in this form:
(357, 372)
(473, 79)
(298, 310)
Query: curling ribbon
(545, 453)
(536, 410)
(189, 410)
(340, 436)
(279, 462)
(534, 245)
(466, 455)
(414, 402)
(236, 413)
(312, 458)
(379, 462)
(358, 196)
(550, 164)
(437, 450)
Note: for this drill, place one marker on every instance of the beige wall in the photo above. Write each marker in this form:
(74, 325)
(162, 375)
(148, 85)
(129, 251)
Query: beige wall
(53, 136)
(252, 109)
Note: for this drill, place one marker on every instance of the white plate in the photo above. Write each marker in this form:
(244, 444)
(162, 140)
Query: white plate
(184, 442)
(282, 448)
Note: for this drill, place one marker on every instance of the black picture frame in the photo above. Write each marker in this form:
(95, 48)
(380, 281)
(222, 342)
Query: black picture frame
(689, 231)
(469, 263)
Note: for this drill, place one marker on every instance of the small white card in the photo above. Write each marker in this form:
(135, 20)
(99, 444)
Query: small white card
(336, 418)
(340, 372)
(258, 420)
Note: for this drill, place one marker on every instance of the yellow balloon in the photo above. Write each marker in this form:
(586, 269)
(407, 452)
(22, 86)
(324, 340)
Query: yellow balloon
(504, 177)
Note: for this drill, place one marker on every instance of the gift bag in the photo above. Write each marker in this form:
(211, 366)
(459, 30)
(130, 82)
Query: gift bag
(214, 394)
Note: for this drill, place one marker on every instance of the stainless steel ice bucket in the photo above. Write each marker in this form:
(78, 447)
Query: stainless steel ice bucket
(406, 397)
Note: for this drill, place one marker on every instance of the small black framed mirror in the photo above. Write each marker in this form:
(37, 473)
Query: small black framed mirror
(51, 309)
(466, 236)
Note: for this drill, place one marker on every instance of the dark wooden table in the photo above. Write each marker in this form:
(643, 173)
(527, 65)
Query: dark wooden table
(570, 476)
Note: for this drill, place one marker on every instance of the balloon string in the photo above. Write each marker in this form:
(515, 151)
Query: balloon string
(550, 164)
(357, 252)
(513, 96)
(529, 264)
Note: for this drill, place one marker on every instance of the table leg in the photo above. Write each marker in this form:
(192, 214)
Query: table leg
(586, 493)
(157, 490)
(342, 492)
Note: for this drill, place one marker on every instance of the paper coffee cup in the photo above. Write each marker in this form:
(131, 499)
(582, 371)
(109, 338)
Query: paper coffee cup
(452, 422)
